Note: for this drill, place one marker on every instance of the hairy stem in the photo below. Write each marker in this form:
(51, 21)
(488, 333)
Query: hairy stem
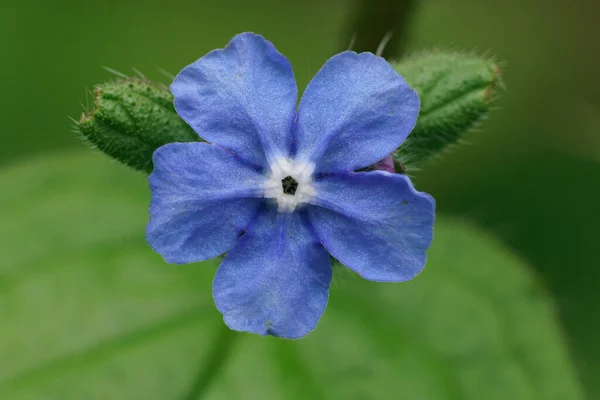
(372, 20)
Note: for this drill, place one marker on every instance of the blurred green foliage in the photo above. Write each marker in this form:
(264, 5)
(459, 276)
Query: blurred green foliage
(530, 176)
(92, 314)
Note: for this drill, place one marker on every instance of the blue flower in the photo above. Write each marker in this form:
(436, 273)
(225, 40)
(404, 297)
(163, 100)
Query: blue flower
(275, 187)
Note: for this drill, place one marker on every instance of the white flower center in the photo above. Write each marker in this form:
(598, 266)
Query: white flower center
(289, 183)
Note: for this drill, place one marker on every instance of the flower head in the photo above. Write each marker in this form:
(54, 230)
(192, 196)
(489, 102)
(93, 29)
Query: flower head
(275, 187)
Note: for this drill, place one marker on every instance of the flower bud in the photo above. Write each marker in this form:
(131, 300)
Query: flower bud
(455, 90)
(132, 118)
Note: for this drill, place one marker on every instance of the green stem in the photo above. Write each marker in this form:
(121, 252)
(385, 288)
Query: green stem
(211, 365)
(372, 20)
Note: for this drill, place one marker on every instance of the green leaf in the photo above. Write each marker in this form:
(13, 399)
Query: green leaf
(455, 90)
(90, 312)
(132, 118)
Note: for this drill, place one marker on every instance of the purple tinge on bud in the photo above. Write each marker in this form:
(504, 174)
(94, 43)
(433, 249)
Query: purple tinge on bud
(387, 164)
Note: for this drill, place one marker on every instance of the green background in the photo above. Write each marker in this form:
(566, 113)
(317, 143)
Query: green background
(527, 185)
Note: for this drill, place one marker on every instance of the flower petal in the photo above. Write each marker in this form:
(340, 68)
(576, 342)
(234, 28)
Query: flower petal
(355, 111)
(276, 279)
(375, 223)
(242, 97)
(203, 198)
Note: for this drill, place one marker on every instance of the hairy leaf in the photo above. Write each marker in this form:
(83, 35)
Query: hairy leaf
(132, 118)
(455, 90)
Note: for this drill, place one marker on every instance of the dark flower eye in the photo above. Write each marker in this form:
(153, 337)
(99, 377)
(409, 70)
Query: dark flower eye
(289, 185)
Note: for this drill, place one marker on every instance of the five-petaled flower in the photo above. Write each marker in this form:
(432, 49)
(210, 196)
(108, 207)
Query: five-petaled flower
(276, 188)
